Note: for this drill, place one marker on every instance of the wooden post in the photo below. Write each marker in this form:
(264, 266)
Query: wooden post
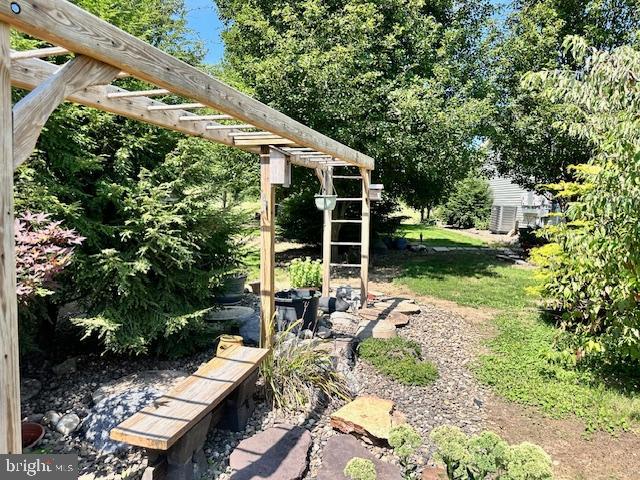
(364, 239)
(10, 435)
(326, 234)
(267, 249)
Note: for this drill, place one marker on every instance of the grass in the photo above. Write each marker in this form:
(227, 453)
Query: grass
(471, 279)
(398, 358)
(438, 236)
(523, 363)
(521, 368)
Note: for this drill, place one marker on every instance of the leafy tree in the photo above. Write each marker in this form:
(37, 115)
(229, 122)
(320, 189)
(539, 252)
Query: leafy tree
(469, 204)
(530, 146)
(156, 243)
(590, 270)
(401, 80)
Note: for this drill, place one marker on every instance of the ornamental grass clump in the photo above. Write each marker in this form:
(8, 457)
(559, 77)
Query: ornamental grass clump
(487, 457)
(360, 469)
(399, 359)
(296, 374)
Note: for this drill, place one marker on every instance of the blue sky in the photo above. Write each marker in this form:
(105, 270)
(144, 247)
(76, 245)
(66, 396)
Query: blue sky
(202, 17)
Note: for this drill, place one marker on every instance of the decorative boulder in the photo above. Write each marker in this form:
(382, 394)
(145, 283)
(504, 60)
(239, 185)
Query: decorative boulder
(68, 424)
(278, 453)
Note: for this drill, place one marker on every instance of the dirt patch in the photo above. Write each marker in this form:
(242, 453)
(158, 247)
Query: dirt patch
(575, 456)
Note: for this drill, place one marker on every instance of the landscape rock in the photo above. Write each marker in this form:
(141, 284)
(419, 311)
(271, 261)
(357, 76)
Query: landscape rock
(51, 418)
(344, 322)
(403, 306)
(371, 417)
(324, 332)
(384, 329)
(68, 424)
(277, 453)
(161, 380)
(66, 367)
(342, 448)
(29, 388)
(111, 411)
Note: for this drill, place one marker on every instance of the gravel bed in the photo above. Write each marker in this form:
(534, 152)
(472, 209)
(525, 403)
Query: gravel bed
(455, 398)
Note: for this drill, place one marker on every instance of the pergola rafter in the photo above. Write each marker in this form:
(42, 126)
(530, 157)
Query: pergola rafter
(99, 54)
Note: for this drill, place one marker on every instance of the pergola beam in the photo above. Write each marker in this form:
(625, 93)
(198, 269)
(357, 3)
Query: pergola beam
(64, 24)
(39, 53)
(139, 93)
(32, 112)
(30, 73)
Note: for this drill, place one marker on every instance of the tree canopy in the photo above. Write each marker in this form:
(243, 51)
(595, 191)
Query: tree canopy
(529, 145)
(401, 80)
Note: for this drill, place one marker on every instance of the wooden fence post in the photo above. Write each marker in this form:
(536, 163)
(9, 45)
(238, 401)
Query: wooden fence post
(267, 249)
(10, 434)
(364, 238)
(326, 234)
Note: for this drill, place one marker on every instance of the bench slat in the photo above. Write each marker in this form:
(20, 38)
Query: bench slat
(160, 425)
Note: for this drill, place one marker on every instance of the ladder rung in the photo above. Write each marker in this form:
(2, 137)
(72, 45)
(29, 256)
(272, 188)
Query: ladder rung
(344, 177)
(346, 221)
(353, 244)
(348, 265)
(345, 199)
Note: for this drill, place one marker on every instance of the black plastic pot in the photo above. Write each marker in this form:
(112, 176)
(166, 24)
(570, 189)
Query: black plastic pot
(297, 304)
(233, 289)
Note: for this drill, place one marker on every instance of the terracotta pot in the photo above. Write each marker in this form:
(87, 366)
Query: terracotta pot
(32, 433)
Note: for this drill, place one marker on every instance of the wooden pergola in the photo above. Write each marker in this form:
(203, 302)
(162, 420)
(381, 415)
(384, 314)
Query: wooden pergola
(101, 54)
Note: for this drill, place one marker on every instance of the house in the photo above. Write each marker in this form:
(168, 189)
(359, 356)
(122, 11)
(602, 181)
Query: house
(514, 207)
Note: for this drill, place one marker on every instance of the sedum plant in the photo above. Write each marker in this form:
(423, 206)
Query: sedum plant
(486, 456)
(399, 359)
(305, 273)
(405, 441)
(360, 469)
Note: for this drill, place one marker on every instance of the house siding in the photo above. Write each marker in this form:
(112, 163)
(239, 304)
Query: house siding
(506, 193)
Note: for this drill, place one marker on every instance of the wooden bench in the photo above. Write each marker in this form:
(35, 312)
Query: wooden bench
(174, 427)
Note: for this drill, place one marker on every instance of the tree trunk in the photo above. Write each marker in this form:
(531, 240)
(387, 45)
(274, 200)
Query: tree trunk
(422, 215)
(224, 199)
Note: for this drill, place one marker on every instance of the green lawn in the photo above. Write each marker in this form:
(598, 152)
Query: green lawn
(524, 367)
(525, 363)
(473, 279)
(437, 236)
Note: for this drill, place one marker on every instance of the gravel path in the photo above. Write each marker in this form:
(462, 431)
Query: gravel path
(455, 398)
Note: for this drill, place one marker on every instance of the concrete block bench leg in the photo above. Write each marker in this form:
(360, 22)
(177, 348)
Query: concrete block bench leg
(239, 406)
(183, 458)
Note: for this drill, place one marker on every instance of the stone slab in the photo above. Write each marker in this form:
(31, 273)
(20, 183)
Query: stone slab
(278, 453)
(368, 416)
(342, 448)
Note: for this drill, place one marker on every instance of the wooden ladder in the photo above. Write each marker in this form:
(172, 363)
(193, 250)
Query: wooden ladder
(364, 177)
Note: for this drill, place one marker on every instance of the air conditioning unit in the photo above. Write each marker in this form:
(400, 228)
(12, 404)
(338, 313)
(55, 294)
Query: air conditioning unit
(503, 218)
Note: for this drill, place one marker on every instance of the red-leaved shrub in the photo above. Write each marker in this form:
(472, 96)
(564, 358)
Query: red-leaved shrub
(43, 249)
